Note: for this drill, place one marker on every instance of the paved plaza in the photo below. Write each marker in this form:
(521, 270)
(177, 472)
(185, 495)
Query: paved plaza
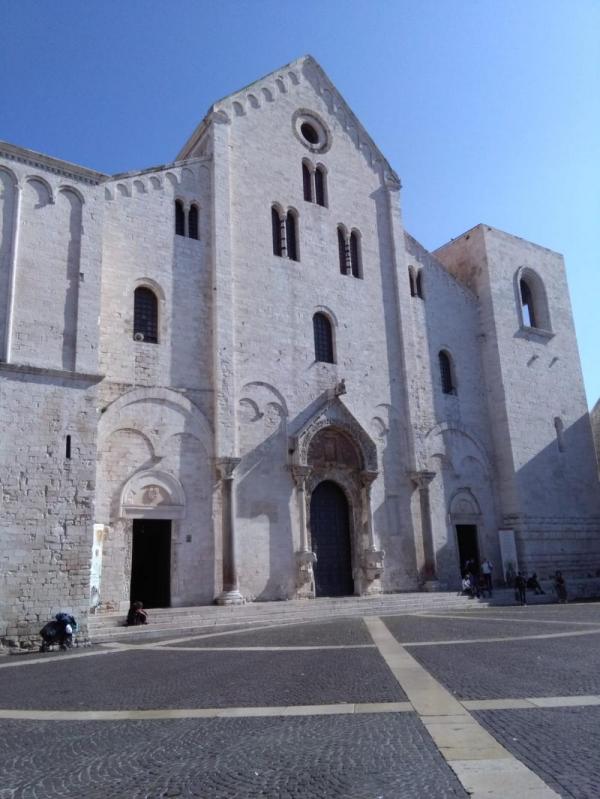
(494, 702)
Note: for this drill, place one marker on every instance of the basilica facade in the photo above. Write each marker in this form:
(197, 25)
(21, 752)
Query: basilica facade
(237, 377)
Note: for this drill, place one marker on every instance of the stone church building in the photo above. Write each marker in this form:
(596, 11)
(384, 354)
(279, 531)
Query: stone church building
(237, 377)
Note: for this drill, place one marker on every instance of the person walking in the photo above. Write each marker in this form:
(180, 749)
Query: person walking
(487, 567)
(534, 584)
(521, 589)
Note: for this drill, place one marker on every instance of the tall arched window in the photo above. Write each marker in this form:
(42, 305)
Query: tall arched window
(355, 254)
(306, 182)
(291, 235)
(320, 197)
(276, 225)
(342, 249)
(419, 284)
(527, 306)
(412, 281)
(193, 222)
(145, 315)
(446, 373)
(323, 338)
(179, 218)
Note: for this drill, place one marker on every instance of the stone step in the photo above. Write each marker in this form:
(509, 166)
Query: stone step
(175, 621)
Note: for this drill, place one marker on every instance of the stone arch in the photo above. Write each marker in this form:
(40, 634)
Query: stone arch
(152, 494)
(129, 407)
(139, 186)
(40, 189)
(472, 444)
(463, 504)
(538, 297)
(172, 178)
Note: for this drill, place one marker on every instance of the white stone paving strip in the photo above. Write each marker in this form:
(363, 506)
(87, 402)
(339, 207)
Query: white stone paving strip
(470, 616)
(207, 713)
(531, 701)
(454, 642)
(261, 648)
(483, 766)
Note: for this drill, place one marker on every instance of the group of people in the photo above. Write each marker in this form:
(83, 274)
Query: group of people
(476, 582)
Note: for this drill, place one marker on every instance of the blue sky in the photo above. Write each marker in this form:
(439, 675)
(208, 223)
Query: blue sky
(489, 110)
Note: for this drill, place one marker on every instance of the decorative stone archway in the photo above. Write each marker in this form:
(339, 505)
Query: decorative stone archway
(152, 494)
(333, 446)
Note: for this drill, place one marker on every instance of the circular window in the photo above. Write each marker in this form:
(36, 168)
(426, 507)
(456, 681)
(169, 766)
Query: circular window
(311, 130)
(309, 133)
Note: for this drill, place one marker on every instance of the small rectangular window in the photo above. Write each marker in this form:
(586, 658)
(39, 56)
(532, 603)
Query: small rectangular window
(68, 448)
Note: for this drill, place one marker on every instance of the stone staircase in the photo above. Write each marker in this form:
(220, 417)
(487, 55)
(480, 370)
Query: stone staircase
(108, 627)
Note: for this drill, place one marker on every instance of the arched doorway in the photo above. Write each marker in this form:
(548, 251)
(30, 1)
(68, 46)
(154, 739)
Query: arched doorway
(330, 534)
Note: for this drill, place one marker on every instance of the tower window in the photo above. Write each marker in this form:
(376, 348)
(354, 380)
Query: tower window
(193, 222)
(446, 373)
(320, 186)
(276, 225)
(323, 338)
(309, 132)
(145, 315)
(291, 235)
(419, 284)
(179, 218)
(527, 307)
(355, 258)
(306, 182)
(342, 250)
(412, 281)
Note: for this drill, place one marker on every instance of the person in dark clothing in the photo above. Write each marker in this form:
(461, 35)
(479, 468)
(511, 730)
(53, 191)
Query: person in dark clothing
(521, 589)
(560, 587)
(534, 585)
(137, 615)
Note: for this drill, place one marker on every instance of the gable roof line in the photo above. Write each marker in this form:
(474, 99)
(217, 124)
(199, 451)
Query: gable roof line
(324, 81)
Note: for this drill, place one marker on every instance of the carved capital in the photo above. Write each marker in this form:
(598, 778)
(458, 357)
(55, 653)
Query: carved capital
(300, 474)
(422, 479)
(367, 478)
(372, 563)
(226, 467)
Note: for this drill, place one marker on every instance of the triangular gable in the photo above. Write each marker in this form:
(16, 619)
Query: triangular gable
(283, 81)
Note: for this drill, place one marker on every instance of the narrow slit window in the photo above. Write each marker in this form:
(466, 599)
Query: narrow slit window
(446, 373)
(342, 249)
(355, 254)
(419, 283)
(193, 222)
(412, 281)
(306, 182)
(68, 448)
(320, 186)
(323, 338)
(291, 236)
(179, 218)
(276, 225)
(145, 315)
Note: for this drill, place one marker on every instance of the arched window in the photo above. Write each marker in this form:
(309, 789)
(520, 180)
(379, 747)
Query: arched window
(342, 249)
(323, 338)
(446, 373)
(145, 315)
(355, 254)
(291, 235)
(193, 222)
(276, 225)
(320, 192)
(527, 307)
(179, 218)
(412, 281)
(306, 182)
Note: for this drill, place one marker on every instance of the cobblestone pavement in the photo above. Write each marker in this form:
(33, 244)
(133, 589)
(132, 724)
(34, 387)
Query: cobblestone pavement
(333, 748)
(362, 757)
(150, 678)
(562, 745)
(521, 668)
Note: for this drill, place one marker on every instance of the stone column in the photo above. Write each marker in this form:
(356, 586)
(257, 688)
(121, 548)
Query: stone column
(230, 595)
(421, 481)
(304, 557)
(371, 557)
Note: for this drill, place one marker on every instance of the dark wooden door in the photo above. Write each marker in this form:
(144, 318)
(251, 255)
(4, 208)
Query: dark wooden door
(151, 563)
(330, 533)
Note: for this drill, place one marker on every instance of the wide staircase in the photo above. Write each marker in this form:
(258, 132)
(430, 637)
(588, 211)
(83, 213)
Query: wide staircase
(109, 627)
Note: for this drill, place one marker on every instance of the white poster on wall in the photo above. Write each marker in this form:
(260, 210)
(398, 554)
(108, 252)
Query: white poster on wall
(508, 552)
(100, 533)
